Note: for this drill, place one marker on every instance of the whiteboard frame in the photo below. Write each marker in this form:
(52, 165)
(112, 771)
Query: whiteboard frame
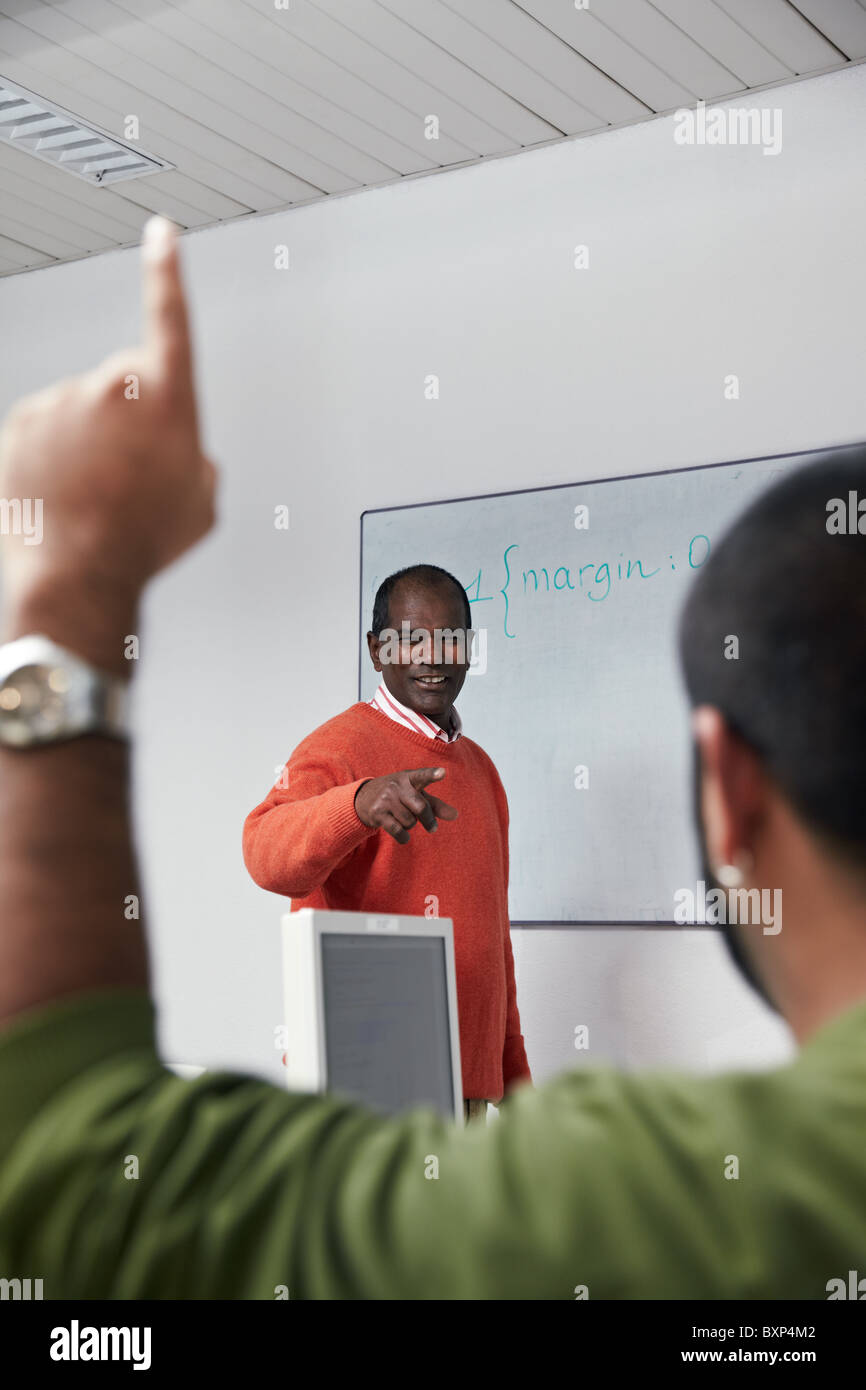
(559, 487)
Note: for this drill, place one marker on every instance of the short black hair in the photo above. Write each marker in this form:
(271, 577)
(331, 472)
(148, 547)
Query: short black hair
(429, 576)
(793, 593)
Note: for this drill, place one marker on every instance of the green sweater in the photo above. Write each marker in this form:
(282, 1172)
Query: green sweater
(611, 1182)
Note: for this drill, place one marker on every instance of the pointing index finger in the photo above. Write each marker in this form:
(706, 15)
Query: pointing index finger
(166, 325)
(420, 776)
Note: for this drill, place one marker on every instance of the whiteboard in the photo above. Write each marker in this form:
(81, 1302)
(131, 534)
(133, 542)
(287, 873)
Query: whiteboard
(576, 668)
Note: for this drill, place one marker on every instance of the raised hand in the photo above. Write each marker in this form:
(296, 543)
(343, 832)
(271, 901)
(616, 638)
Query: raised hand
(115, 456)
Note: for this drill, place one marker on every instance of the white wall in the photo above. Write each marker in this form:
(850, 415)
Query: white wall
(704, 261)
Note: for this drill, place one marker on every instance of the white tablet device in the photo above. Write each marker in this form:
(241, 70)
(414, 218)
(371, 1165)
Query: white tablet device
(371, 1009)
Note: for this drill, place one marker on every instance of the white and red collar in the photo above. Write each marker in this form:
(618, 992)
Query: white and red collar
(385, 702)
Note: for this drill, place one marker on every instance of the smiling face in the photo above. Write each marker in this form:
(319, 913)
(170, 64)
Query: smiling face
(428, 676)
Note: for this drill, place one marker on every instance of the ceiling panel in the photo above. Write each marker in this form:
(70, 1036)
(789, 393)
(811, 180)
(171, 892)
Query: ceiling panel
(199, 85)
(259, 108)
(547, 54)
(15, 253)
(61, 196)
(644, 25)
(783, 30)
(31, 214)
(156, 72)
(711, 27)
(51, 67)
(843, 21)
(241, 44)
(614, 55)
(315, 79)
(40, 237)
(370, 41)
(459, 35)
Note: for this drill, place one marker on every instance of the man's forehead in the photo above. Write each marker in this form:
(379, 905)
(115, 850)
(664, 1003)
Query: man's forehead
(412, 598)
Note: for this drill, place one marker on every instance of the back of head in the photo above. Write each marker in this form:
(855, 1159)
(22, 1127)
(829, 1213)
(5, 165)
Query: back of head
(789, 583)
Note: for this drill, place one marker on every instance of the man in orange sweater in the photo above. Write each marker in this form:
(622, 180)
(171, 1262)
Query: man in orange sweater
(349, 826)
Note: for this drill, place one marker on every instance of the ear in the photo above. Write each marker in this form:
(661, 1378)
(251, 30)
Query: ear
(373, 645)
(733, 786)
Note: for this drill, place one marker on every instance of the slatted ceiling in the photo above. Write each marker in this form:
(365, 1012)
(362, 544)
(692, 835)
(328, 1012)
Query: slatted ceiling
(783, 30)
(260, 109)
(47, 64)
(377, 114)
(111, 118)
(42, 240)
(32, 206)
(843, 22)
(394, 57)
(454, 33)
(208, 204)
(642, 25)
(194, 84)
(300, 75)
(159, 123)
(27, 232)
(458, 28)
(155, 195)
(118, 55)
(188, 196)
(709, 25)
(213, 33)
(611, 53)
(60, 196)
(31, 218)
(216, 207)
(22, 257)
(542, 51)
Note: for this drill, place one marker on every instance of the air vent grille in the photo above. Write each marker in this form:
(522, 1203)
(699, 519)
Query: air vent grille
(27, 123)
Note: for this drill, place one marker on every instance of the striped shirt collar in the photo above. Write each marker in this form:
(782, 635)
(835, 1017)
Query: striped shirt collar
(385, 702)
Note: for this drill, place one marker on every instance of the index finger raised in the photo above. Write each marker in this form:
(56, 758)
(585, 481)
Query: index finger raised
(166, 324)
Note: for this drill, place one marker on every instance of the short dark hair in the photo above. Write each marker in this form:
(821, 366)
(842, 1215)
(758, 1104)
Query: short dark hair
(428, 576)
(794, 595)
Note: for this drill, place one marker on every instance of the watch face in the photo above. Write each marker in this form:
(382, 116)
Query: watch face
(40, 702)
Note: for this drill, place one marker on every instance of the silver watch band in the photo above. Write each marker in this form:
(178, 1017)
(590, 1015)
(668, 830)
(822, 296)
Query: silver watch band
(49, 693)
(111, 704)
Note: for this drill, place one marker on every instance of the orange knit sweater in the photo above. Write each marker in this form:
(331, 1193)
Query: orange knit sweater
(305, 840)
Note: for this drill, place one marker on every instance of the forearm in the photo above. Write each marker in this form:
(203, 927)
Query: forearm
(292, 847)
(69, 893)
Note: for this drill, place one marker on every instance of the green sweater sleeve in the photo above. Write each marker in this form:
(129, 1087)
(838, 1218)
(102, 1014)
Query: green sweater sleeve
(120, 1180)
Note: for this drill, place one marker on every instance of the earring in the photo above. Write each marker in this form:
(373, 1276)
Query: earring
(732, 875)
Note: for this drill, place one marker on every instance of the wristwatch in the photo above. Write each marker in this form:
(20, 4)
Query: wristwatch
(48, 695)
